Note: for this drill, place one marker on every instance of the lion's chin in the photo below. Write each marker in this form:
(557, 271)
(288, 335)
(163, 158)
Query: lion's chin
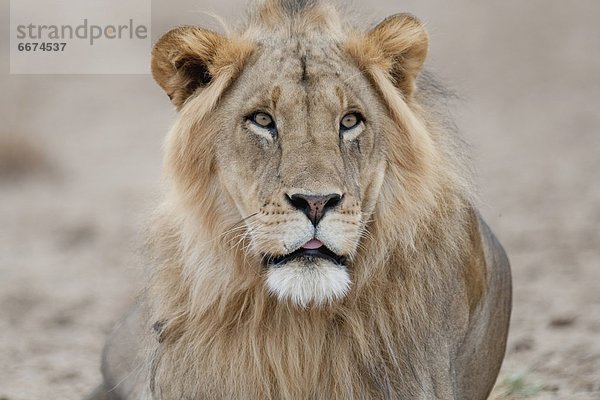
(308, 281)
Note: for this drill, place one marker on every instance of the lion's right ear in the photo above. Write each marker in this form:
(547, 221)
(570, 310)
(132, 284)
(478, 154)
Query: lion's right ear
(185, 59)
(398, 46)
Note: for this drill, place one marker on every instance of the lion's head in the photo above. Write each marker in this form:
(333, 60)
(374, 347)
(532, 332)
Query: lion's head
(299, 148)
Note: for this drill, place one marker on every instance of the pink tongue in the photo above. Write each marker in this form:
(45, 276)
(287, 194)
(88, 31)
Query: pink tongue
(312, 244)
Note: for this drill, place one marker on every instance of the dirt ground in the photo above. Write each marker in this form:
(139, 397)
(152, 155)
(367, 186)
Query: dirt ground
(80, 170)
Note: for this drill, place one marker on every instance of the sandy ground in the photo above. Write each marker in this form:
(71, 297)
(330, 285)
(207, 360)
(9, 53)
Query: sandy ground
(80, 165)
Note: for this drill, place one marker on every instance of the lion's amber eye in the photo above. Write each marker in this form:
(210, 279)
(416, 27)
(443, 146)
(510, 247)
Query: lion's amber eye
(263, 120)
(350, 121)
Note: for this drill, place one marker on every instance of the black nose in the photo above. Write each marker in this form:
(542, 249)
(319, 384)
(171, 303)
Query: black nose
(314, 207)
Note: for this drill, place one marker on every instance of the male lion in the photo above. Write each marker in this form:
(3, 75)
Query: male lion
(319, 239)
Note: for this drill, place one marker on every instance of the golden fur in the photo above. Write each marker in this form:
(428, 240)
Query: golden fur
(417, 276)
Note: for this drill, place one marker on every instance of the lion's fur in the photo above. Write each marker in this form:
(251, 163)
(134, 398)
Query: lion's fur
(221, 334)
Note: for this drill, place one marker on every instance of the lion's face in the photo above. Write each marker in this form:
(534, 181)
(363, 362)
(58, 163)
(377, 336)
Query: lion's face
(300, 158)
(292, 136)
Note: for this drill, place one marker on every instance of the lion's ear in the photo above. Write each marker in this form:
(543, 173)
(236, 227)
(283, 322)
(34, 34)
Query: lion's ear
(184, 59)
(398, 45)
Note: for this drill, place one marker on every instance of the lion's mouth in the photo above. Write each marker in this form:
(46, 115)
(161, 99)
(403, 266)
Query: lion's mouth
(311, 250)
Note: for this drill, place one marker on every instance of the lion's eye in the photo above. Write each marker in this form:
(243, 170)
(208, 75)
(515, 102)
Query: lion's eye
(350, 121)
(263, 120)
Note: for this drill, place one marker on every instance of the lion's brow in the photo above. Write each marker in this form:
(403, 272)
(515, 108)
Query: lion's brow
(275, 95)
(341, 96)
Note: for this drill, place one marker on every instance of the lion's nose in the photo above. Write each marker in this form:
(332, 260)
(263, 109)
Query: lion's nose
(314, 207)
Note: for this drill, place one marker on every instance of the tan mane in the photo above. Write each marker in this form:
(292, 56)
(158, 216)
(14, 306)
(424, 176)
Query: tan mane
(212, 305)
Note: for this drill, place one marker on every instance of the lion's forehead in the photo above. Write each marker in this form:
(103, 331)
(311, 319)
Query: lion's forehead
(296, 61)
(300, 82)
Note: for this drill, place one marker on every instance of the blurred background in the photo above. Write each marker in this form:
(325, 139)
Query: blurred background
(80, 162)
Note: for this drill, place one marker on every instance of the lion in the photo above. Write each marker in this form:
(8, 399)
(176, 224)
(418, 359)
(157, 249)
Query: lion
(319, 238)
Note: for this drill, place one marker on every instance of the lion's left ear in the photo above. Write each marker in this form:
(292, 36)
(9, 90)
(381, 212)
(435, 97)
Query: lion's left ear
(189, 58)
(398, 46)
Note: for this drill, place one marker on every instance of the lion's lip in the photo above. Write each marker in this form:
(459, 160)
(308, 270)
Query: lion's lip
(309, 250)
